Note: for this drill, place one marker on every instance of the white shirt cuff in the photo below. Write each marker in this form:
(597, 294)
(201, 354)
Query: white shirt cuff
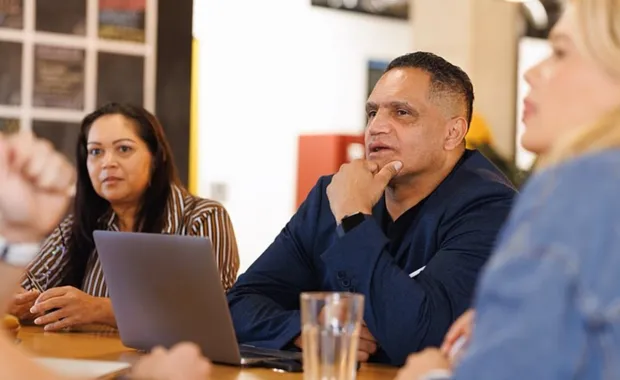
(20, 254)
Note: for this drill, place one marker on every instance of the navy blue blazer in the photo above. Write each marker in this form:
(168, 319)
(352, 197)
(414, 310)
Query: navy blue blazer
(452, 236)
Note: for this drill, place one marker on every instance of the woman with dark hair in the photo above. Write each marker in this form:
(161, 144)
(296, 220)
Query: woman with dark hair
(126, 182)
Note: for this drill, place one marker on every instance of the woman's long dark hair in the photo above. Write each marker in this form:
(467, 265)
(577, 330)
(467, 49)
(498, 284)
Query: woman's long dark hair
(90, 211)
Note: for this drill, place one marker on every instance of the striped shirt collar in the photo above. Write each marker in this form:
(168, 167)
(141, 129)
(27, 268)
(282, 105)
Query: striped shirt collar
(175, 209)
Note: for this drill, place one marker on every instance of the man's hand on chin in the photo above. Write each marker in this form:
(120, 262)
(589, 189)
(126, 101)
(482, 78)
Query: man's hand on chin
(358, 186)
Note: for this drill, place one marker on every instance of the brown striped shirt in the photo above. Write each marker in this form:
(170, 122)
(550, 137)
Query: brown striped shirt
(186, 215)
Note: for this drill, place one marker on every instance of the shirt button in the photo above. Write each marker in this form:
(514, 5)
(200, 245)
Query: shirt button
(341, 274)
(346, 283)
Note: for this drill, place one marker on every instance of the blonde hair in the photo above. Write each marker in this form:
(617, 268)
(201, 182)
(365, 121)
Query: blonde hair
(599, 24)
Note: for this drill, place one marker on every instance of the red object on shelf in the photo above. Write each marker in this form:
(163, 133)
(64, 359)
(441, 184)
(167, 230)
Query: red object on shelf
(320, 155)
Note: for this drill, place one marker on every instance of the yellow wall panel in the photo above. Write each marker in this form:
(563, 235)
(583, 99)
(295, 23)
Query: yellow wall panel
(193, 134)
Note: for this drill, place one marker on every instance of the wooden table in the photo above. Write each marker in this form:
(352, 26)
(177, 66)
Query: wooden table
(107, 346)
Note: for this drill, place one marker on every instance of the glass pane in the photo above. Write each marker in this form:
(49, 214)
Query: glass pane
(375, 72)
(12, 14)
(10, 73)
(62, 134)
(58, 77)
(120, 79)
(65, 16)
(8, 125)
(122, 19)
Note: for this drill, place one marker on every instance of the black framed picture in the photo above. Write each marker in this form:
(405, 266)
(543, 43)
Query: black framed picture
(398, 9)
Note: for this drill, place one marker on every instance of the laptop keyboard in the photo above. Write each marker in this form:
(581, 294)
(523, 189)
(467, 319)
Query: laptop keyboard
(251, 352)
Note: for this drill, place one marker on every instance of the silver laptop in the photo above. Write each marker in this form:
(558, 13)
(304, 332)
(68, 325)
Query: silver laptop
(166, 289)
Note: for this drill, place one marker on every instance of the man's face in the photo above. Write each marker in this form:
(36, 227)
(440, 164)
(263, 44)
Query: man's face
(404, 124)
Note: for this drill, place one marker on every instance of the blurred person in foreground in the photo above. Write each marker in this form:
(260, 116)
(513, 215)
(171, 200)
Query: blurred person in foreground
(126, 181)
(36, 186)
(547, 304)
(409, 227)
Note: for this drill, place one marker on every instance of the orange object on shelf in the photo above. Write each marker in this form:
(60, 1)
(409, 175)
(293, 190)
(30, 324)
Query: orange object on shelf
(320, 155)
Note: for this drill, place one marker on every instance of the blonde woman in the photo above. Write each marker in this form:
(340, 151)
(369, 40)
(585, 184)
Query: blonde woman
(548, 303)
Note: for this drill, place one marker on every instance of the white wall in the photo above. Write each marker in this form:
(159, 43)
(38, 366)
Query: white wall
(271, 70)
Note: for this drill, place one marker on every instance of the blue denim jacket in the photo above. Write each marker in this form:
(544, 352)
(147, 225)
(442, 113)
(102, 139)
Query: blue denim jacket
(548, 302)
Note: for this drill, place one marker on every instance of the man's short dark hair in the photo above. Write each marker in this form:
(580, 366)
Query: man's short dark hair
(446, 78)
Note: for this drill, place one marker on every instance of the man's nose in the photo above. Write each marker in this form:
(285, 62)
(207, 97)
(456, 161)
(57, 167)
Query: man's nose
(380, 124)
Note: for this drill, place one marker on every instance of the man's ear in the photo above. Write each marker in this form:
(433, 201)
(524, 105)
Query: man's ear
(456, 131)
